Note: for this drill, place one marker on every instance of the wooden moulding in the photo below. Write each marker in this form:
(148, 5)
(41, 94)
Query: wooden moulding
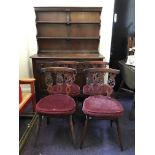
(108, 70)
(68, 9)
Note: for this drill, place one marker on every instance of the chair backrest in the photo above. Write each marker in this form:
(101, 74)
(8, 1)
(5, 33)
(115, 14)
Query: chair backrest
(59, 80)
(96, 83)
(128, 74)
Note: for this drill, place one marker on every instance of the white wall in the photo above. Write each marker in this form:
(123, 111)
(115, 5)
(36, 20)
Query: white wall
(28, 44)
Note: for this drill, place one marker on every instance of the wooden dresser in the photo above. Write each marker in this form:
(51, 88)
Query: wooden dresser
(65, 34)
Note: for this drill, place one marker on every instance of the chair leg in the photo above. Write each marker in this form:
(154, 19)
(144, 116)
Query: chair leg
(47, 120)
(33, 104)
(72, 128)
(38, 129)
(84, 132)
(132, 112)
(111, 121)
(119, 89)
(119, 134)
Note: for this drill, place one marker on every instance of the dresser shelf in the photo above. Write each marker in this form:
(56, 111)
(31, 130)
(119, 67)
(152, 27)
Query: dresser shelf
(65, 34)
(65, 22)
(68, 38)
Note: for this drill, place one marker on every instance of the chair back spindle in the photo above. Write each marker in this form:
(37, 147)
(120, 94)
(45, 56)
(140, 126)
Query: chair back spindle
(59, 80)
(96, 83)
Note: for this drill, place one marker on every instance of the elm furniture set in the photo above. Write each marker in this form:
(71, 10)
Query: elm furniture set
(68, 65)
(60, 102)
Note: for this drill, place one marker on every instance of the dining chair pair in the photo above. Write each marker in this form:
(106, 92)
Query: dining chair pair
(60, 82)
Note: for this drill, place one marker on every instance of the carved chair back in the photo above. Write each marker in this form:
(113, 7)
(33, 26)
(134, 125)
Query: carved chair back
(96, 83)
(59, 80)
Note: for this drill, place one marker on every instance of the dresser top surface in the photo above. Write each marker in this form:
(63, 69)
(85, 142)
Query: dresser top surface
(68, 8)
(67, 56)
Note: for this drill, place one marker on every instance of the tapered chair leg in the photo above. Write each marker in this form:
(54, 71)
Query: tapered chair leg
(33, 104)
(39, 124)
(111, 121)
(38, 129)
(48, 120)
(84, 132)
(119, 89)
(132, 111)
(119, 134)
(72, 128)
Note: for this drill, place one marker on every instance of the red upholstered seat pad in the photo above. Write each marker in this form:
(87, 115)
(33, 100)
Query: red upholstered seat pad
(56, 104)
(102, 106)
(75, 89)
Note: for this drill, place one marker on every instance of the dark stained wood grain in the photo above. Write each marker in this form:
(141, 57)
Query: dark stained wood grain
(66, 34)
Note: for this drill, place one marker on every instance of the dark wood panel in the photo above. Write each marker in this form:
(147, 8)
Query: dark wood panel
(67, 56)
(91, 44)
(85, 16)
(73, 30)
(47, 52)
(68, 38)
(52, 44)
(64, 44)
(51, 16)
(65, 34)
(84, 30)
(52, 30)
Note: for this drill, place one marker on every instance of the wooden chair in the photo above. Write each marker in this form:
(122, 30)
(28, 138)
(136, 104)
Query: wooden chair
(25, 98)
(99, 104)
(59, 103)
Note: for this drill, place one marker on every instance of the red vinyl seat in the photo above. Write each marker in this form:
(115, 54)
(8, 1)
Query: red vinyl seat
(102, 106)
(57, 104)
